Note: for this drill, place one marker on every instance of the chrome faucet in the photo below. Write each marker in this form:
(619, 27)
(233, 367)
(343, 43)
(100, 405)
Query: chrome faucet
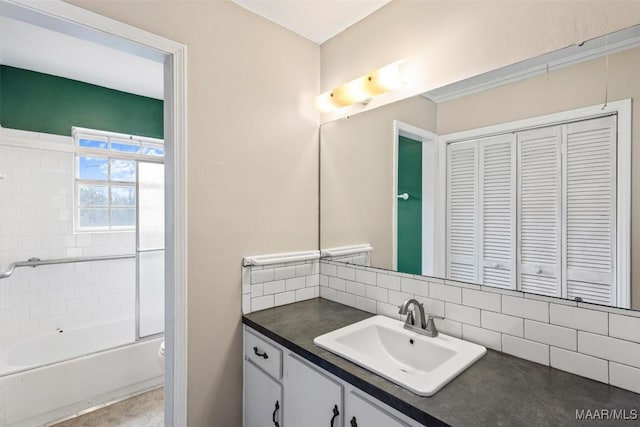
(416, 322)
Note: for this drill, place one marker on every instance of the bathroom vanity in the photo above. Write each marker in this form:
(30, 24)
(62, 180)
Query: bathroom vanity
(299, 383)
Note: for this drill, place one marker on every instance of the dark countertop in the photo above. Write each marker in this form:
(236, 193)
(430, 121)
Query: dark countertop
(498, 390)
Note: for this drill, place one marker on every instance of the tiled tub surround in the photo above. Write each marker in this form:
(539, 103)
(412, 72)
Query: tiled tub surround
(37, 221)
(596, 342)
(279, 284)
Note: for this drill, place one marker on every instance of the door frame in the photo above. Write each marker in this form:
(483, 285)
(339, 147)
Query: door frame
(429, 158)
(81, 23)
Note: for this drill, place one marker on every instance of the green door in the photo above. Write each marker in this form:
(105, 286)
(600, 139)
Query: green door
(410, 210)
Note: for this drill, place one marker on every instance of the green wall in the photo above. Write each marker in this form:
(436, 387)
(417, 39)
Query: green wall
(44, 103)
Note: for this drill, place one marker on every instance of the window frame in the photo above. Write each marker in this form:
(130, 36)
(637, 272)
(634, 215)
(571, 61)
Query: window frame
(109, 155)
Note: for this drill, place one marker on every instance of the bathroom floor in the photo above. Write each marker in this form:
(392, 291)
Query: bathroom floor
(145, 410)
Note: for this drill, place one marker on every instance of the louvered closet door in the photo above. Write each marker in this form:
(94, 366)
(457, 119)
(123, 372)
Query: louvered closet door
(462, 201)
(539, 210)
(497, 211)
(590, 188)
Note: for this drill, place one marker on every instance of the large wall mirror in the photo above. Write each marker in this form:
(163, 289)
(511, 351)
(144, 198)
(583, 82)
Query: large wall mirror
(520, 179)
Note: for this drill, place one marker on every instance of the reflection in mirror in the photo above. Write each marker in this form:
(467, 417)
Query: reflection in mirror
(524, 185)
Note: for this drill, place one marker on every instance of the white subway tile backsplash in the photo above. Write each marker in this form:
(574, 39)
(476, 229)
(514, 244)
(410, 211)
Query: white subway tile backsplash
(324, 280)
(624, 377)
(388, 310)
(328, 269)
(479, 299)
(378, 294)
(502, 323)
(580, 364)
(529, 309)
(449, 327)
(275, 287)
(445, 293)
(461, 313)
(345, 298)
(366, 304)
(367, 277)
(246, 303)
(295, 283)
(284, 272)
(489, 339)
(624, 327)
(526, 349)
(304, 294)
(388, 281)
(338, 284)
(261, 303)
(346, 273)
(356, 288)
(260, 276)
(304, 270)
(580, 319)
(328, 293)
(311, 281)
(283, 298)
(542, 329)
(556, 336)
(256, 290)
(397, 298)
(621, 351)
(432, 306)
(414, 286)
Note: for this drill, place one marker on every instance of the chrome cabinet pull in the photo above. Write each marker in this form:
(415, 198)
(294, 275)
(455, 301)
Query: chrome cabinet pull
(259, 353)
(335, 414)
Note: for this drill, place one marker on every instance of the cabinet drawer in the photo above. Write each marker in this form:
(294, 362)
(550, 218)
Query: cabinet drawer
(263, 354)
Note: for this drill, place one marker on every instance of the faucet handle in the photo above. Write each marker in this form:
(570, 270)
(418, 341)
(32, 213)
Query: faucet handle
(430, 317)
(410, 319)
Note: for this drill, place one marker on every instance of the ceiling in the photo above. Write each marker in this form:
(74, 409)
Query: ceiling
(37, 48)
(316, 20)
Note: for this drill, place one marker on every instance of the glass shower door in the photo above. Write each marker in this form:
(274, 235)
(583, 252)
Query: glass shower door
(150, 249)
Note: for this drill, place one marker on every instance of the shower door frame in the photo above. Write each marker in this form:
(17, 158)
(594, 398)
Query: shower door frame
(91, 26)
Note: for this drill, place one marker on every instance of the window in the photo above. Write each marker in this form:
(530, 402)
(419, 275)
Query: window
(106, 178)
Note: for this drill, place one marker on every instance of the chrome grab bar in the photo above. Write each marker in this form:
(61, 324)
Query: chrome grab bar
(35, 262)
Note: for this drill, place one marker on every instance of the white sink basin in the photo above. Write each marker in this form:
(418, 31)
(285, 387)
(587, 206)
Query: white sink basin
(416, 362)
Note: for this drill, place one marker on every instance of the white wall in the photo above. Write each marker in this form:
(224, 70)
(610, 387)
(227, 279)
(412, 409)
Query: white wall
(252, 171)
(36, 220)
(447, 41)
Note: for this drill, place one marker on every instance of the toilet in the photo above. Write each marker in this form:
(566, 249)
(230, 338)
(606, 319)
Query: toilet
(161, 355)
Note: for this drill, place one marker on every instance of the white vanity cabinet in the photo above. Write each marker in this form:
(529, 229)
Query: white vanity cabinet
(262, 398)
(313, 398)
(285, 390)
(363, 412)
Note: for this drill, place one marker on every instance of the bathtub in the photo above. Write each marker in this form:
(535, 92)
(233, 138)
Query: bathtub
(51, 376)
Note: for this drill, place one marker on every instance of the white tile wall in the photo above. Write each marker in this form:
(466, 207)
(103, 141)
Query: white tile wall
(596, 342)
(285, 283)
(36, 220)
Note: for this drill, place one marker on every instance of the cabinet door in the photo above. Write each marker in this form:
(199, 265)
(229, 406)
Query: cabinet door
(539, 210)
(262, 398)
(363, 413)
(589, 178)
(311, 398)
(462, 206)
(497, 211)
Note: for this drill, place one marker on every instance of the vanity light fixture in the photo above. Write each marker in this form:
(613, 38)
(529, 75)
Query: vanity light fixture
(362, 89)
